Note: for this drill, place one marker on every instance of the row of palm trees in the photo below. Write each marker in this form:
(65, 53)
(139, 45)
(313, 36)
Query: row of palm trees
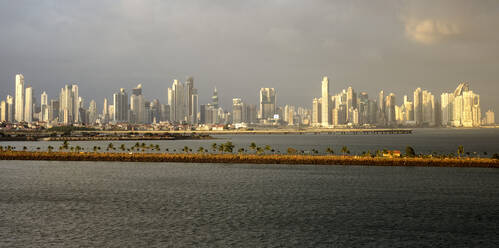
(229, 147)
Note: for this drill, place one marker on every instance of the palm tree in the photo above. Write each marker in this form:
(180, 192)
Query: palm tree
(221, 148)
(122, 147)
(240, 150)
(110, 146)
(460, 151)
(50, 148)
(229, 147)
(259, 150)
(330, 150)
(65, 145)
(267, 148)
(186, 149)
(25, 148)
(201, 149)
(252, 146)
(345, 150)
(214, 146)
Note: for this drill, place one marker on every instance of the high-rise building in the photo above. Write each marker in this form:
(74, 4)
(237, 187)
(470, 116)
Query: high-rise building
(189, 92)
(105, 114)
(194, 107)
(120, 103)
(214, 98)
(447, 100)
(19, 98)
(66, 105)
(251, 113)
(409, 110)
(44, 107)
(363, 108)
(92, 112)
(54, 110)
(268, 106)
(28, 105)
(381, 118)
(351, 103)
(325, 106)
(3, 111)
(137, 106)
(237, 111)
(76, 104)
(390, 109)
(316, 112)
(418, 106)
(177, 102)
(490, 118)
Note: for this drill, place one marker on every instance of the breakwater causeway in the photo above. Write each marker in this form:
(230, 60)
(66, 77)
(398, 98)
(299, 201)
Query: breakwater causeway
(250, 159)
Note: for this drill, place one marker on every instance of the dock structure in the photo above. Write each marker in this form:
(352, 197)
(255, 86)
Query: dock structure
(380, 131)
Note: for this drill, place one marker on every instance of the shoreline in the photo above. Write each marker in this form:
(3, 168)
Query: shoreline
(251, 159)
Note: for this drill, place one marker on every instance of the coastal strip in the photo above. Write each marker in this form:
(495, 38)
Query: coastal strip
(250, 159)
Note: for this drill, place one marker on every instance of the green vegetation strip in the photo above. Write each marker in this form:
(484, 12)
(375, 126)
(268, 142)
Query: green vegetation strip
(249, 159)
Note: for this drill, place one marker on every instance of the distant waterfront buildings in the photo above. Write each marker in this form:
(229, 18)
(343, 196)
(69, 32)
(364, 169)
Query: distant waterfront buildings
(489, 119)
(268, 107)
(325, 108)
(347, 108)
(120, 106)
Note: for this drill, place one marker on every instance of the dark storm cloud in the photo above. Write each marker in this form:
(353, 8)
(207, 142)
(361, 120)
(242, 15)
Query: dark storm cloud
(240, 46)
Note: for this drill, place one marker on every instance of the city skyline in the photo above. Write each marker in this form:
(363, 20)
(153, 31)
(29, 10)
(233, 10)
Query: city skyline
(460, 108)
(242, 47)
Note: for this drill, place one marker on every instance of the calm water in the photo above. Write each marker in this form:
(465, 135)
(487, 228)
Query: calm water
(426, 141)
(104, 204)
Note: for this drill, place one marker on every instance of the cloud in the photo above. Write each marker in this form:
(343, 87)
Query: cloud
(429, 31)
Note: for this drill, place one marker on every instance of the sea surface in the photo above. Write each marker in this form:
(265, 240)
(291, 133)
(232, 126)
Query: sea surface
(478, 142)
(114, 204)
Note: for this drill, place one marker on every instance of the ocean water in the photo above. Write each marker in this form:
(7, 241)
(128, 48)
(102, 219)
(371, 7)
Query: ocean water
(113, 204)
(479, 142)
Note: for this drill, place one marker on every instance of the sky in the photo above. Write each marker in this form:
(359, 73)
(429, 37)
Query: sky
(241, 46)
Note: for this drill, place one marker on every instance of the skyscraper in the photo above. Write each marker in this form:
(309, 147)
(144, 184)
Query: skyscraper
(418, 106)
(351, 103)
(194, 106)
(177, 102)
(76, 103)
(390, 109)
(105, 115)
(44, 107)
(19, 98)
(3, 111)
(92, 112)
(66, 105)
(237, 110)
(214, 98)
(120, 103)
(316, 112)
(363, 108)
(137, 105)
(267, 103)
(28, 105)
(447, 100)
(54, 110)
(189, 91)
(325, 108)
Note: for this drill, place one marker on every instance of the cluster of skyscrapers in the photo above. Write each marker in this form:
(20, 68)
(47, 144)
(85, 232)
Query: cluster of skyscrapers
(460, 108)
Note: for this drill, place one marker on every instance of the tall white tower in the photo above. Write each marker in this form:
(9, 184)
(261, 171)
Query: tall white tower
(19, 98)
(325, 109)
(28, 105)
